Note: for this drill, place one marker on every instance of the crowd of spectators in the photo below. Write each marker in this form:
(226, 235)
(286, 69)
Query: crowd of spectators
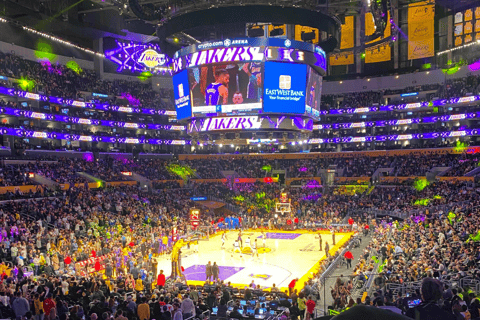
(60, 81)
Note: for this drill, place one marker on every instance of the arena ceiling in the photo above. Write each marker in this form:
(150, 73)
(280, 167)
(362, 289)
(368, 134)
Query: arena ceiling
(83, 20)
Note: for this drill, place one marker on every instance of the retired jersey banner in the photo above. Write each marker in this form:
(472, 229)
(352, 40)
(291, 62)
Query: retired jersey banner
(421, 29)
(342, 59)
(379, 53)
(347, 37)
(466, 27)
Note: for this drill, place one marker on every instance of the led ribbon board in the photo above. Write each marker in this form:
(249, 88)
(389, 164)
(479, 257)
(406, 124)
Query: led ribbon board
(138, 57)
(249, 49)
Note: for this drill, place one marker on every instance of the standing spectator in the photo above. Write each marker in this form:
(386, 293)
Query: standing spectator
(20, 306)
(310, 308)
(208, 271)
(187, 307)
(161, 280)
(49, 308)
(143, 310)
(349, 257)
(177, 313)
(215, 271)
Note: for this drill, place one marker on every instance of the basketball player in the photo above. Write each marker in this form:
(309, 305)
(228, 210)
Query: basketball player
(247, 243)
(224, 237)
(239, 239)
(254, 72)
(264, 239)
(217, 93)
(311, 98)
(254, 249)
(195, 246)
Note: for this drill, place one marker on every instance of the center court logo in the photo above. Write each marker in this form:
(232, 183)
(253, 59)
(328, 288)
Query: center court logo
(285, 82)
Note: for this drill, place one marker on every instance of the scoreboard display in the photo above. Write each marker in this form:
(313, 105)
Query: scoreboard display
(248, 77)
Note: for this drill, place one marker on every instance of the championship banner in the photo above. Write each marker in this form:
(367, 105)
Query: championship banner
(421, 30)
(379, 53)
(347, 41)
(342, 59)
(370, 27)
(347, 37)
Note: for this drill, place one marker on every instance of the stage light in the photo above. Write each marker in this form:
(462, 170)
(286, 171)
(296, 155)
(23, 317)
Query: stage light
(259, 145)
(232, 145)
(220, 145)
(176, 40)
(276, 32)
(256, 32)
(363, 55)
(308, 36)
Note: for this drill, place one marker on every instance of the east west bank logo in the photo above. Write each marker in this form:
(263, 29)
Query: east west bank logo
(151, 58)
(284, 91)
(285, 82)
(183, 99)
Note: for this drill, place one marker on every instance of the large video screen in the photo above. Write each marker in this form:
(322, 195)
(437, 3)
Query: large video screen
(181, 93)
(314, 92)
(285, 87)
(226, 88)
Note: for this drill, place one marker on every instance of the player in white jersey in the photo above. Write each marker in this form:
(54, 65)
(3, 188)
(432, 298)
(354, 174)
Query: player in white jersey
(255, 249)
(264, 239)
(248, 243)
(224, 237)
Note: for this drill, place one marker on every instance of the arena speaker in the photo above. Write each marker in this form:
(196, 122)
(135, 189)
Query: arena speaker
(144, 12)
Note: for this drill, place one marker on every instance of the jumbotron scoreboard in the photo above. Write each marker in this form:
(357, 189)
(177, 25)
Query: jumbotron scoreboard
(249, 84)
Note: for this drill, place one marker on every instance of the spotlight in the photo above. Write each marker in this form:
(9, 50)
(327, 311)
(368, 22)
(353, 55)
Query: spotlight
(308, 36)
(276, 32)
(255, 32)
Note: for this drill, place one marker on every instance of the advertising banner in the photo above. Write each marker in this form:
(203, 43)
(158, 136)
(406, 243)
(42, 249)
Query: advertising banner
(285, 85)
(181, 93)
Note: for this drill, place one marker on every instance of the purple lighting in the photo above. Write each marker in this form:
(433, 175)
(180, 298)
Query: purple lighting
(474, 66)
(138, 57)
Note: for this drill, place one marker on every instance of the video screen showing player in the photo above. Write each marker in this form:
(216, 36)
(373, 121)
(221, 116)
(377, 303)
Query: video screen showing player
(217, 92)
(226, 84)
(314, 89)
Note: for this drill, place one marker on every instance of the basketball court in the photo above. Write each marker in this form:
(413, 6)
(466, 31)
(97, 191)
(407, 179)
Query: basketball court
(286, 256)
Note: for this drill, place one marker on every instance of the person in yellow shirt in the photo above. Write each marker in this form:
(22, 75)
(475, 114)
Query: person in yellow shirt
(139, 284)
(143, 310)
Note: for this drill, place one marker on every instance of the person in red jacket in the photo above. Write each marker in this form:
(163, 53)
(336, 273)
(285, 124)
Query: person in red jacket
(49, 308)
(310, 308)
(349, 256)
(350, 222)
(291, 286)
(161, 280)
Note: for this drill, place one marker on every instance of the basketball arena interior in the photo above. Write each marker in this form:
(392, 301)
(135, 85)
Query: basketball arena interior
(239, 159)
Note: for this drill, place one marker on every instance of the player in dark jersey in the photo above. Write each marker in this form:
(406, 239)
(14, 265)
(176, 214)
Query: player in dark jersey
(254, 71)
(217, 93)
(311, 98)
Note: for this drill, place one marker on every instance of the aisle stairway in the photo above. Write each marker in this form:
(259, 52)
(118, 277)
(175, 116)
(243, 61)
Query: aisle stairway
(340, 270)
